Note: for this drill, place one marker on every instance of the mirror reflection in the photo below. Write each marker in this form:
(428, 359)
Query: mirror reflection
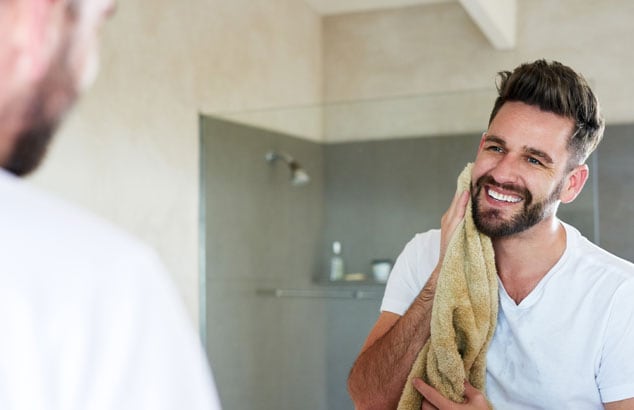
(304, 206)
(294, 331)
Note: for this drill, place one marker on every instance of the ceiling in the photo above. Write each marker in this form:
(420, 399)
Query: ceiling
(349, 6)
(495, 18)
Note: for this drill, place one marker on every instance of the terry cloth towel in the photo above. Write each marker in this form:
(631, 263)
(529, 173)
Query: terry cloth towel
(463, 315)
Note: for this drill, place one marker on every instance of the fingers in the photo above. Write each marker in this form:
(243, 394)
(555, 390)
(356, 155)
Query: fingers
(427, 406)
(469, 390)
(474, 396)
(456, 210)
(433, 400)
(458, 205)
(431, 395)
(452, 218)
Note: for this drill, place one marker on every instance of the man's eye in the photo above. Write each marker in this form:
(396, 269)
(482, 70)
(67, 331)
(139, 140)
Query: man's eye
(534, 161)
(495, 148)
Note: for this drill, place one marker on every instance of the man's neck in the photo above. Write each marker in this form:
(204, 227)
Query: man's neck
(522, 260)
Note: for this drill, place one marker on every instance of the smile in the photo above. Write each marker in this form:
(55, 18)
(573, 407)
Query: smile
(502, 197)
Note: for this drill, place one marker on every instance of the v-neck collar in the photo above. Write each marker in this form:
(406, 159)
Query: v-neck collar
(537, 292)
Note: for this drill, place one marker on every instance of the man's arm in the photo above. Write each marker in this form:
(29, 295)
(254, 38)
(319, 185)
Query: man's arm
(380, 372)
(627, 404)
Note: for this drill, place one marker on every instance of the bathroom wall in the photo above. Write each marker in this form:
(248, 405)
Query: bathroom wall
(438, 49)
(616, 190)
(380, 193)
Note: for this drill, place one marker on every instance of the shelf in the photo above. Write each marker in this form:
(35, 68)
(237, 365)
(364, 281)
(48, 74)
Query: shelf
(320, 293)
(350, 283)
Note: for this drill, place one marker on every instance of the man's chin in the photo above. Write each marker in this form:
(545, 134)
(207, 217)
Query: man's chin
(29, 151)
(495, 225)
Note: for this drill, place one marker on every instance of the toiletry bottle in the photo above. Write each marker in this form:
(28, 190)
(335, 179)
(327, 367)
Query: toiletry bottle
(336, 262)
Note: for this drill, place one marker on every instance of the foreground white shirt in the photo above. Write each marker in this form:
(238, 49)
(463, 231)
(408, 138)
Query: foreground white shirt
(88, 317)
(568, 345)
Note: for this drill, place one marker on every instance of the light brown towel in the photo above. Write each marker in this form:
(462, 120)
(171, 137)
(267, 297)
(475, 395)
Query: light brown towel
(463, 316)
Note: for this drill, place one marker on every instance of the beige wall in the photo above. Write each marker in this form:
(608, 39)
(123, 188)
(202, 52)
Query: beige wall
(435, 50)
(130, 150)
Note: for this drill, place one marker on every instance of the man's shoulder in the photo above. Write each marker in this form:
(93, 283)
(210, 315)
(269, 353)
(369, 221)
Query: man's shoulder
(421, 250)
(40, 228)
(590, 256)
(427, 237)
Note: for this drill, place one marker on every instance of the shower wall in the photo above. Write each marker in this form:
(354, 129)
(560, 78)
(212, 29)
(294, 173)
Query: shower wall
(615, 197)
(261, 233)
(380, 193)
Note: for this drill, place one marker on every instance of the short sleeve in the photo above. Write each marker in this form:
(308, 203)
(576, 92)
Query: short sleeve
(411, 271)
(616, 370)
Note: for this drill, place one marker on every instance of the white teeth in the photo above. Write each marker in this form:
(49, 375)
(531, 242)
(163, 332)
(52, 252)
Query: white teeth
(502, 197)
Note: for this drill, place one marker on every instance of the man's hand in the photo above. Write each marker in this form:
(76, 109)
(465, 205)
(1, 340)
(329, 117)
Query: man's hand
(379, 373)
(451, 219)
(448, 224)
(433, 400)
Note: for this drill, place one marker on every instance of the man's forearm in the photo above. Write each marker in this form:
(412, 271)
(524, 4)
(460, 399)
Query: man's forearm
(379, 374)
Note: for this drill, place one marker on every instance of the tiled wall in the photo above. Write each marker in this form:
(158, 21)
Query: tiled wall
(615, 197)
(261, 233)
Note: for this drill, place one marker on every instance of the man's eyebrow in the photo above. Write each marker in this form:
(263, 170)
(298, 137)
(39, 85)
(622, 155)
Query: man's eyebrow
(497, 140)
(538, 153)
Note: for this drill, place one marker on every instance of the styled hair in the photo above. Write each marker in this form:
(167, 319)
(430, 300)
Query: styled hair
(556, 88)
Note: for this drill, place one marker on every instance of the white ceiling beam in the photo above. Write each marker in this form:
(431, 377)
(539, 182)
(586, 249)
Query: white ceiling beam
(497, 19)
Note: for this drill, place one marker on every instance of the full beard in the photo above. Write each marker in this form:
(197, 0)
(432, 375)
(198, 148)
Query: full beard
(31, 146)
(46, 108)
(491, 223)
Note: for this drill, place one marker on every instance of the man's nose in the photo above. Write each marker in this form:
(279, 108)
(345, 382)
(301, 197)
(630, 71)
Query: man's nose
(507, 170)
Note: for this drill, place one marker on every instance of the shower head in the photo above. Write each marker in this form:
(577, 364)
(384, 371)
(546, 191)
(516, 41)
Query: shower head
(299, 177)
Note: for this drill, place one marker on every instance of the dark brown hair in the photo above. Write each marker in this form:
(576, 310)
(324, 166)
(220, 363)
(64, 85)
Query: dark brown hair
(556, 88)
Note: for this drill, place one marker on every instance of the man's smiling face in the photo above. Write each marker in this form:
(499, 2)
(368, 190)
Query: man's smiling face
(520, 170)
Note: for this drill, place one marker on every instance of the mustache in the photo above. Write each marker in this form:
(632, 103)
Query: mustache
(489, 180)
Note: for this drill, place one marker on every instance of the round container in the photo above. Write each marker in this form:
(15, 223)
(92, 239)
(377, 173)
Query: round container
(381, 269)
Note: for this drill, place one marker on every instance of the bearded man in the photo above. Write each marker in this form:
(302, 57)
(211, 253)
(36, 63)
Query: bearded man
(89, 318)
(564, 337)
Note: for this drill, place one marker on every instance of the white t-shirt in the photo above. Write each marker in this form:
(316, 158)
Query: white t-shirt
(88, 317)
(568, 345)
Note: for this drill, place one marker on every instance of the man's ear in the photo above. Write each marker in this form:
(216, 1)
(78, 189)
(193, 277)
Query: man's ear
(574, 182)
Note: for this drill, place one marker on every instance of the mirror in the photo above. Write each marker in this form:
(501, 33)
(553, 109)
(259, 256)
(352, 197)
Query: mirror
(279, 333)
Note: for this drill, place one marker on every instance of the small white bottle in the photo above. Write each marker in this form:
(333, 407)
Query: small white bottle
(336, 262)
